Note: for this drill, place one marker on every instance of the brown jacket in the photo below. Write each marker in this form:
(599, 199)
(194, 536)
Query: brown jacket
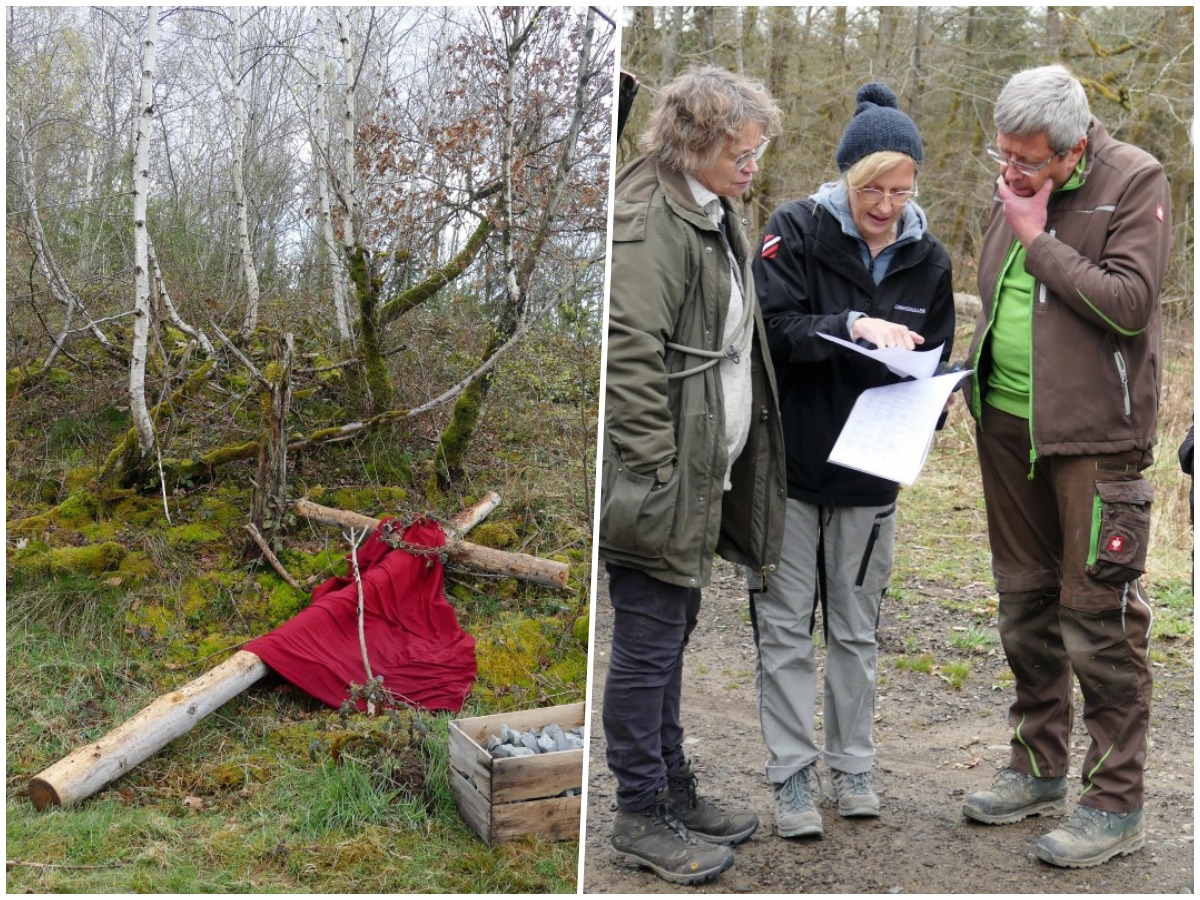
(1097, 320)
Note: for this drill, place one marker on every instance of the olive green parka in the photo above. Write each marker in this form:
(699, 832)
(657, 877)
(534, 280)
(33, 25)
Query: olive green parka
(663, 509)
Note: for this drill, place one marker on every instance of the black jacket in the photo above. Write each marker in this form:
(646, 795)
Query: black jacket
(809, 281)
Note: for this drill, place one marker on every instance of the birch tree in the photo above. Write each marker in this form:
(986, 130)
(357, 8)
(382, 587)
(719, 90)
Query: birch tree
(249, 271)
(321, 160)
(141, 240)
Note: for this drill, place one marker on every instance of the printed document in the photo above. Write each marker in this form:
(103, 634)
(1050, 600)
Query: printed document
(890, 429)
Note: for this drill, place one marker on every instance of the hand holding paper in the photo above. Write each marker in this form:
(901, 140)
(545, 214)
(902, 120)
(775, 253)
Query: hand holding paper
(890, 429)
(905, 363)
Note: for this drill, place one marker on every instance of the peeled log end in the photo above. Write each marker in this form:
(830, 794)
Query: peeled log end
(43, 794)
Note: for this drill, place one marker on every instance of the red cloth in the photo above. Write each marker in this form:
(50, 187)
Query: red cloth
(413, 637)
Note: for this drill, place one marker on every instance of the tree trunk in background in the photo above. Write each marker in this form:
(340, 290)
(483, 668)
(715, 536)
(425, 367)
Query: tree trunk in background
(455, 441)
(270, 487)
(249, 272)
(141, 241)
(321, 161)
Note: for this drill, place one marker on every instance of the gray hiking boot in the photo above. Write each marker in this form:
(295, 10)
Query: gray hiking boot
(654, 839)
(854, 794)
(795, 814)
(1092, 836)
(1014, 796)
(703, 818)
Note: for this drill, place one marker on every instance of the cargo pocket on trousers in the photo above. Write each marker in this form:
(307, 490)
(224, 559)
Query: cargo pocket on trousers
(1120, 530)
(636, 511)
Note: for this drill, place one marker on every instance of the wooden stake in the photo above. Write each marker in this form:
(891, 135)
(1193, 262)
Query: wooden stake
(82, 773)
(463, 553)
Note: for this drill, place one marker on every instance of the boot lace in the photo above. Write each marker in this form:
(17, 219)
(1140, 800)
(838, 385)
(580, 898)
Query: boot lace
(796, 792)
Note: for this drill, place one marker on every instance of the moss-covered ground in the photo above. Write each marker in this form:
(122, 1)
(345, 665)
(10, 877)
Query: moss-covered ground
(115, 597)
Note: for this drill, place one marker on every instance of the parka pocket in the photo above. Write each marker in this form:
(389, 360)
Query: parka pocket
(636, 511)
(1120, 530)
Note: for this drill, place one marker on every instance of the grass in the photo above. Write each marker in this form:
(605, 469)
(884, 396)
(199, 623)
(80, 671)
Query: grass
(273, 792)
(971, 640)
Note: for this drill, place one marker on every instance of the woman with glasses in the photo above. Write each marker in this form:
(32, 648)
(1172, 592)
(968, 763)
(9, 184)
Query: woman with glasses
(693, 451)
(855, 261)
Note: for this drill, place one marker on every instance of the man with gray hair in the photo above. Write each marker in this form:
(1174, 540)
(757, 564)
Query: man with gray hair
(1067, 367)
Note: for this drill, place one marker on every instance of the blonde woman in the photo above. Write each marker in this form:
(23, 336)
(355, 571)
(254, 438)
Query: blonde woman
(856, 261)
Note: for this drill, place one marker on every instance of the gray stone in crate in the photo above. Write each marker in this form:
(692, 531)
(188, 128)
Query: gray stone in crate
(508, 736)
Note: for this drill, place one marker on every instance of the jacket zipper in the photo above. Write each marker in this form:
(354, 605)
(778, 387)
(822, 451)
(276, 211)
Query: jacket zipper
(1124, 375)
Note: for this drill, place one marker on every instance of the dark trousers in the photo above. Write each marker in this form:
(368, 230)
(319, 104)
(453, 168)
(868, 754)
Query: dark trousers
(652, 622)
(1056, 619)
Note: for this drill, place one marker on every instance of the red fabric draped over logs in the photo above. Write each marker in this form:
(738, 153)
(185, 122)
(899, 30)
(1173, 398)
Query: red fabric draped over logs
(413, 637)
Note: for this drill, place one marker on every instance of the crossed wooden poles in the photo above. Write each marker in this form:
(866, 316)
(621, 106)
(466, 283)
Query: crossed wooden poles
(77, 776)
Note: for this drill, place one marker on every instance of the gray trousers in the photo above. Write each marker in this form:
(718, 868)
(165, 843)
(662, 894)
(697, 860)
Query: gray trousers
(841, 556)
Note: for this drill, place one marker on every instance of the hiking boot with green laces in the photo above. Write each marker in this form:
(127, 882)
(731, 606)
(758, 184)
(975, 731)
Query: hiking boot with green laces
(1092, 836)
(654, 839)
(854, 794)
(1014, 796)
(795, 813)
(704, 818)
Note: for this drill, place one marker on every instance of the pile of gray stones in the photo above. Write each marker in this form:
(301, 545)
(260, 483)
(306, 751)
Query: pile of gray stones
(551, 739)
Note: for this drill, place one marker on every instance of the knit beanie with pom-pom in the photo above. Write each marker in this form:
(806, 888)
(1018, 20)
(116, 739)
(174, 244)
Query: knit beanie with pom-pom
(878, 125)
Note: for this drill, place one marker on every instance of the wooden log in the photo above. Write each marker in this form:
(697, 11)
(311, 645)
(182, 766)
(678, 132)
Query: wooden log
(471, 516)
(463, 553)
(82, 773)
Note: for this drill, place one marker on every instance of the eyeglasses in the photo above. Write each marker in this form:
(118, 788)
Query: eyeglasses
(756, 154)
(1023, 167)
(875, 195)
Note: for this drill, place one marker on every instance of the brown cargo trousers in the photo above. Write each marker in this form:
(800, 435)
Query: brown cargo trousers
(1067, 546)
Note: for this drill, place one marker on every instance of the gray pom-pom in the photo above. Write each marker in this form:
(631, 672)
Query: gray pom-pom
(878, 93)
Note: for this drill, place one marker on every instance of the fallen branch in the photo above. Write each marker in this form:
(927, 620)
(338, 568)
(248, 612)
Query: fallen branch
(475, 556)
(270, 556)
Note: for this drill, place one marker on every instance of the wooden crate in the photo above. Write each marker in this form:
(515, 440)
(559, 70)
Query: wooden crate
(506, 799)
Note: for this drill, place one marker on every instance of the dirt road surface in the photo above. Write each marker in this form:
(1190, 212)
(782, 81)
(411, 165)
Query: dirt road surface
(935, 745)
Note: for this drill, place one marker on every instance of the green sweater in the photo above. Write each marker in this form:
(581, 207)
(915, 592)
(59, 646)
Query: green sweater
(1010, 382)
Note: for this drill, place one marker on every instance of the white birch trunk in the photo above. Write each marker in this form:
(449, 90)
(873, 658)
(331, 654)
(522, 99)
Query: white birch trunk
(507, 148)
(321, 159)
(349, 199)
(249, 272)
(141, 244)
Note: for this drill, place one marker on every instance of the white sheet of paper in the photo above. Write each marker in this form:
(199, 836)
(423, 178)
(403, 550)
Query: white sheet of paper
(905, 363)
(890, 429)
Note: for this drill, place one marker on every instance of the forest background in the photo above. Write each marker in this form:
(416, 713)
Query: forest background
(947, 64)
(256, 254)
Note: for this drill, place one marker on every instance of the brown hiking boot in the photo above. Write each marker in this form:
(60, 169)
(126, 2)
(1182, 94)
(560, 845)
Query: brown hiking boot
(703, 818)
(1014, 796)
(654, 839)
